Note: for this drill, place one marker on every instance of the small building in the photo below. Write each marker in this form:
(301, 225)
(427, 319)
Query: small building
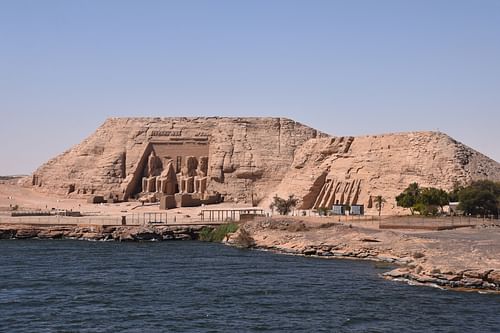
(338, 210)
(452, 209)
(357, 210)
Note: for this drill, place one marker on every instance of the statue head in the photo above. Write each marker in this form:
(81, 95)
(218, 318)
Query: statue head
(190, 167)
(154, 167)
(203, 166)
(169, 172)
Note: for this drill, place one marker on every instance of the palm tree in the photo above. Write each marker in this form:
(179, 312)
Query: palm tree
(379, 203)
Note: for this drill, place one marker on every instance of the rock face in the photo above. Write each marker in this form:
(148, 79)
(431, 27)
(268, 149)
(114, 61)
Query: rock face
(354, 170)
(129, 156)
(252, 159)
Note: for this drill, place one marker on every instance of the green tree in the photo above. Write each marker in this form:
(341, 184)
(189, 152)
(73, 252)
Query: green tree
(453, 194)
(409, 197)
(424, 200)
(284, 206)
(430, 198)
(426, 210)
(480, 198)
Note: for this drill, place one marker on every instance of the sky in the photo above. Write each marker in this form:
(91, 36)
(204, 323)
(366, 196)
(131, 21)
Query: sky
(349, 67)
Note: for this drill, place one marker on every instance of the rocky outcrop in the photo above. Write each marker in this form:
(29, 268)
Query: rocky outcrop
(467, 279)
(252, 159)
(105, 233)
(126, 155)
(354, 170)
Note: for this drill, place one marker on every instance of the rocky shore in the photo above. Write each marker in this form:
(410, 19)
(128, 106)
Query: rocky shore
(100, 233)
(466, 259)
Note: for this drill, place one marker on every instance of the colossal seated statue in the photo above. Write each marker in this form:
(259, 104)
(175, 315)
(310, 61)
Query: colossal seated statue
(154, 169)
(168, 180)
(200, 180)
(188, 173)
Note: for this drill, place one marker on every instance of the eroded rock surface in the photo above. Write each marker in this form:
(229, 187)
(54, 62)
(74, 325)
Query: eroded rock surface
(354, 170)
(105, 233)
(127, 156)
(256, 158)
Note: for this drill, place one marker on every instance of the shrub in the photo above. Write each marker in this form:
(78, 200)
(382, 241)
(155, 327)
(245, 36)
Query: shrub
(217, 234)
(205, 234)
(323, 211)
(284, 206)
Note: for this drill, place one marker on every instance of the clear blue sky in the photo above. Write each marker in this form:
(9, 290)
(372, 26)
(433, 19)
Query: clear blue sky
(347, 67)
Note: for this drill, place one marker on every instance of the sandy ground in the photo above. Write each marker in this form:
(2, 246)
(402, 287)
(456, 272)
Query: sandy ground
(28, 199)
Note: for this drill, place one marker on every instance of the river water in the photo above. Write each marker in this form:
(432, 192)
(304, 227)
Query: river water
(79, 286)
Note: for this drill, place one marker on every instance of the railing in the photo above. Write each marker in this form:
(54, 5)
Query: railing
(434, 223)
(135, 219)
(31, 213)
(221, 215)
(61, 220)
(54, 212)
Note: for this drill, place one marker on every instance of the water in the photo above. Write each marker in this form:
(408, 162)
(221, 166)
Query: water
(78, 286)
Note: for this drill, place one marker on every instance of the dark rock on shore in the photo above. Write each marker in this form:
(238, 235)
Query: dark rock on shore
(450, 280)
(108, 233)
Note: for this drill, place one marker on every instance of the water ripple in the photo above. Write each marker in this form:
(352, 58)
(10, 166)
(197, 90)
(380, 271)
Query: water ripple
(74, 286)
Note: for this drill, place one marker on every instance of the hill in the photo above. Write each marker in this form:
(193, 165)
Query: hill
(247, 159)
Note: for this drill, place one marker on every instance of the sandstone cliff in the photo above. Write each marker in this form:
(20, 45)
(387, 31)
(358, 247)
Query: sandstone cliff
(244, 155)
(353, 170)
(261, 157)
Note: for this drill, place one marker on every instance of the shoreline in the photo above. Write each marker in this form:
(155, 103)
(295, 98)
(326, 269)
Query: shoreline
(422, 259)
(101, 233)
(434, 259)
(395, 275)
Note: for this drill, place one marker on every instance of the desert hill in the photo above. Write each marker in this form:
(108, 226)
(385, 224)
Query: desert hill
(353, 170)
(242, 158)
